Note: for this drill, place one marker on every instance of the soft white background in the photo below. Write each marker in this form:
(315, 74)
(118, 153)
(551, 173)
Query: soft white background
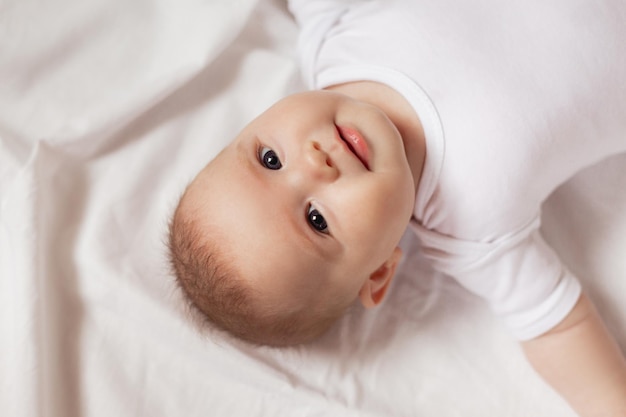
(107, 109)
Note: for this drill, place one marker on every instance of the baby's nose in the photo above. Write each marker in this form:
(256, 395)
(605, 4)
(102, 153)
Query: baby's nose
(318, 163)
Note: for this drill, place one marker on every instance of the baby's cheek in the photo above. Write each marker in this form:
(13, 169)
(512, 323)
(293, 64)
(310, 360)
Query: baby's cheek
(392, 217)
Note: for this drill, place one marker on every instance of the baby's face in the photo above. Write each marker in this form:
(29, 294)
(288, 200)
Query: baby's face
(310, 198)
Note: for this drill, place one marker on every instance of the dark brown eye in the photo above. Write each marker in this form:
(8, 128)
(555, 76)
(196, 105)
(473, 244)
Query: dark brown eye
(269, 159)
(316, 220)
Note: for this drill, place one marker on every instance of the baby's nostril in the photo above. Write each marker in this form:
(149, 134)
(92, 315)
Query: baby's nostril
(316, 146)
(329, 162)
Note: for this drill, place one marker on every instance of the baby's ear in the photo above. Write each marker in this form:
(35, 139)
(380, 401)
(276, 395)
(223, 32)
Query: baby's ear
(374, 289)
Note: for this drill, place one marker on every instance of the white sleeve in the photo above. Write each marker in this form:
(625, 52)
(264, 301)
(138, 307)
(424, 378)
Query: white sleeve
(315, 18)
(519, 275)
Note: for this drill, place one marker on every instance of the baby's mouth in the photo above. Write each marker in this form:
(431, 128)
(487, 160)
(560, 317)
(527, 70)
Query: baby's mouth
(355, 143)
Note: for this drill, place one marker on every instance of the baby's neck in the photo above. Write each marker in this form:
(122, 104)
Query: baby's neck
(399, 111)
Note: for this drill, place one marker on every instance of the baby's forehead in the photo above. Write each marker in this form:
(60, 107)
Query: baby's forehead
(215, 171)
(266, 259)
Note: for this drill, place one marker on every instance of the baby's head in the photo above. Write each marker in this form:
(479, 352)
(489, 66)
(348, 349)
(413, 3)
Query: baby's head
(299, 216)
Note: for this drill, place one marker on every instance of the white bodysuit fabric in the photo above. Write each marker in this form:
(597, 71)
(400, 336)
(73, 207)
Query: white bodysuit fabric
(514, 98)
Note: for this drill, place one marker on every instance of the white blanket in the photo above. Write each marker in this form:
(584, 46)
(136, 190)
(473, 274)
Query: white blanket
(107, 109)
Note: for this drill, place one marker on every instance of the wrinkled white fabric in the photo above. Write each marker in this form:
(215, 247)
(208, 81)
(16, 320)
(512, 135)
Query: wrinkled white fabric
(107, 109)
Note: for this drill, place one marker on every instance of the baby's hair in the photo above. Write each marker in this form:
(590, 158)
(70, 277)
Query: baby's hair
(212, 286)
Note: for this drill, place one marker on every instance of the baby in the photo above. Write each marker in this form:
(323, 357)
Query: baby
(303, 212)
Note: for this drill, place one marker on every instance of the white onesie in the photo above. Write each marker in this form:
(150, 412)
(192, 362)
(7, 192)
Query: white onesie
(514, 97)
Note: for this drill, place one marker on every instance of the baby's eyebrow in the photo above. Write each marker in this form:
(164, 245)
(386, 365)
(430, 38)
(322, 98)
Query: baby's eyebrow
(247, 159)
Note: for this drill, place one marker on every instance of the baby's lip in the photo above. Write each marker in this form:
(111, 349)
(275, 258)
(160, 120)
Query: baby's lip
(355, 143)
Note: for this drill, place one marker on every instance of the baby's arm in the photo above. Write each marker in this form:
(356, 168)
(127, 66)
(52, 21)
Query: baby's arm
(583, 363)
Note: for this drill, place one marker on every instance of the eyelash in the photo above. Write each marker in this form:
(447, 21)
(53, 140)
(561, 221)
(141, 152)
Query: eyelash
(311, 213)
(262, 153)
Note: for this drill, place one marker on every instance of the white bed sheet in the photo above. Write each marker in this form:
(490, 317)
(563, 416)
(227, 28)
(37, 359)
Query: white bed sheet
(107, 110)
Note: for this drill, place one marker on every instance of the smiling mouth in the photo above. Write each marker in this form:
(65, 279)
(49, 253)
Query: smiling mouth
(355, 142)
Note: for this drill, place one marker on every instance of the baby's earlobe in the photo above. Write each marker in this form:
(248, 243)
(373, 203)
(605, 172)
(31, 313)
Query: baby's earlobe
(375, 287)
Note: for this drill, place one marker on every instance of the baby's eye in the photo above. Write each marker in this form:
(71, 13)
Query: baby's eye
(269, 159)
(316, 220)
